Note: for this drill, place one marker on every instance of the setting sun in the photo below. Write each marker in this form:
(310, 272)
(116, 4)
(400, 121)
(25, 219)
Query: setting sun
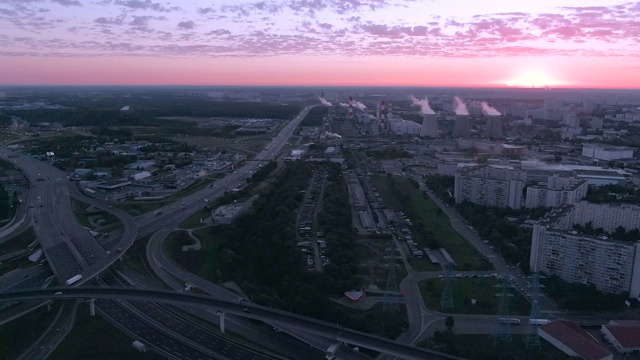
(533, 79)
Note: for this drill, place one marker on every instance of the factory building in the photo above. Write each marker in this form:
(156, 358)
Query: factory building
(611, 266)
(404, 127)
(490, 186)
(606, 152)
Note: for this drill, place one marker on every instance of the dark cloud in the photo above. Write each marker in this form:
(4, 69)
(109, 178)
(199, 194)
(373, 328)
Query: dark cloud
(110, 21)
(67, 2)
(186, 25)
(146, 5)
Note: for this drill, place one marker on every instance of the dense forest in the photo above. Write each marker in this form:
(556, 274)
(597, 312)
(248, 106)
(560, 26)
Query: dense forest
(148, 115)
(315, 116)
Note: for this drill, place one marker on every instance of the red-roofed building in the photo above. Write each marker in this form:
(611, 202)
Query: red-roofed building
(573, 340)
(623, 335)
(354, 295)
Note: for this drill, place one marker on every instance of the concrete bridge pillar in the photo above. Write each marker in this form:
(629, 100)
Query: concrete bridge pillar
(221, 314)
(92, 307)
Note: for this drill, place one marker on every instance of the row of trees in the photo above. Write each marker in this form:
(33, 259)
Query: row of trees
(580, 297)
(512, 241)
(612, 194)
(442, 185)
(336, 221)
(263, 172)
(389, 153)
(620, 233)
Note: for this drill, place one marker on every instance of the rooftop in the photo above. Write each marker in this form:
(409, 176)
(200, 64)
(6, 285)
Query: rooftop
(576, 339)
(626, 333)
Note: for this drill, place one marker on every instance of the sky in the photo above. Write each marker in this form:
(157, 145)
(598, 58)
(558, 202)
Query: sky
(456, 43)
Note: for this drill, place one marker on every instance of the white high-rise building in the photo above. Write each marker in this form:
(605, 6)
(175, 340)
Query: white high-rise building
(558, 191)
(612, 266)
(490, 186)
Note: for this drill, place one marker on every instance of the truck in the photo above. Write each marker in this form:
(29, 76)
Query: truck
(510, 321)
(138, 345)
(74, 279)
(539, 321)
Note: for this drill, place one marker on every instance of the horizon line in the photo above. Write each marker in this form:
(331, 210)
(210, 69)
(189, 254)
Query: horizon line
(504, 87)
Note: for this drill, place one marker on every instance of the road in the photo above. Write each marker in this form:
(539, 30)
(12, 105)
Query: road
(67, 245)
(168, 322)
(273, 316)
(57, 331)
(501, 267)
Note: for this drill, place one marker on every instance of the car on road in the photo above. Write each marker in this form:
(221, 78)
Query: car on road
(58, 293)
(246, 310)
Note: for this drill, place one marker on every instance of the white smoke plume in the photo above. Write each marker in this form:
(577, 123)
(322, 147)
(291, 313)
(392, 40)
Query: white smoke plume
(343, 104)
(325, 102)
(333, 135)
(359, 105)
(461, 108)
(488, 110)
(424, 104)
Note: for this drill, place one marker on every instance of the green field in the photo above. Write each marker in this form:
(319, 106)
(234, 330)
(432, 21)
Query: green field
(193, 221)
(484, 290)
(434, 222)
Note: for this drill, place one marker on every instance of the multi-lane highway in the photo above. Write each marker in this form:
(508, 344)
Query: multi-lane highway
(313, 326)
(68, 246)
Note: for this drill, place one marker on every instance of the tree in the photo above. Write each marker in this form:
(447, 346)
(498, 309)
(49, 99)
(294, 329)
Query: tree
(449, 322)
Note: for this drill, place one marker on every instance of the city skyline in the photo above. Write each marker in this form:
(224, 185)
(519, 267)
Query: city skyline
(566, 43)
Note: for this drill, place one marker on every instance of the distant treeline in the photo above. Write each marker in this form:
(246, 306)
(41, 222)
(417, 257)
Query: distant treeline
(148, 115)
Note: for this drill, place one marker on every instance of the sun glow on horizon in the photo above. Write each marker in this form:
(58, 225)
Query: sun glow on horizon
(535, 79)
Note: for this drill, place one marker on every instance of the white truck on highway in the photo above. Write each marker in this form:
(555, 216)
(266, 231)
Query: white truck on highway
(73, 280)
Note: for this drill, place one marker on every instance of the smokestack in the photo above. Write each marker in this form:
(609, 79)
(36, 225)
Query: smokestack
(461, 127)
(350, 114)
(429, 126)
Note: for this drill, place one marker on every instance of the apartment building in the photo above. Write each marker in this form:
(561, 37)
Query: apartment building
(557, 191)
(490, 186)
(612, 266)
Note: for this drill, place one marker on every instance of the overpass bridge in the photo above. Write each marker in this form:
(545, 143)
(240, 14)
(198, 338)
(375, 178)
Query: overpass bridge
(335, 332)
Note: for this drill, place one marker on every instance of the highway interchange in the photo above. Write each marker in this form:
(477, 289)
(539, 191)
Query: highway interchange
(71, 250)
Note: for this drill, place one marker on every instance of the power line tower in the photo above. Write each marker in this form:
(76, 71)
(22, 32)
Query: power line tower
(532, 339)
(391, 291)
(446, 301)
(502, 331)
